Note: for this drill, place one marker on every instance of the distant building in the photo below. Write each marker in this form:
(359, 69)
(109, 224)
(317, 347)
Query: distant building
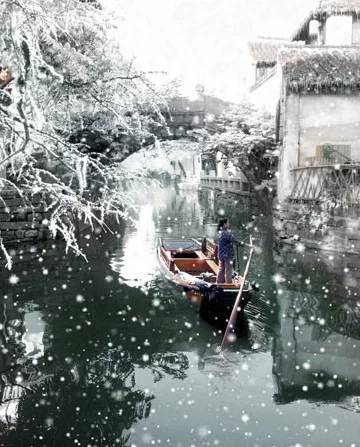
(185, 114)
(313, 88)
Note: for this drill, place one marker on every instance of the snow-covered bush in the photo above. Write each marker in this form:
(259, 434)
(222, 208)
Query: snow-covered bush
(245, 137)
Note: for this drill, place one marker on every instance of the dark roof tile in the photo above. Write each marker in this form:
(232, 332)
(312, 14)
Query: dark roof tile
(320, 67)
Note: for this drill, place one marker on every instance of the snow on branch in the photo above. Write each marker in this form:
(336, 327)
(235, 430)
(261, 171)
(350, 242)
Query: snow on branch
(77, 109)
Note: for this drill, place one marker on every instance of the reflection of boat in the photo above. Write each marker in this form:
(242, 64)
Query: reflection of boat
(194, 267)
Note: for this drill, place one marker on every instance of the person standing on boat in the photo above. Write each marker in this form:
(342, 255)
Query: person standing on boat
(225, 252)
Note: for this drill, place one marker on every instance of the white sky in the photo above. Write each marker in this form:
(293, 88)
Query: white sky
(203, 41)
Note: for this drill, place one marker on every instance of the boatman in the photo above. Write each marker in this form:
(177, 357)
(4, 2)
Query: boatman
(225, 252)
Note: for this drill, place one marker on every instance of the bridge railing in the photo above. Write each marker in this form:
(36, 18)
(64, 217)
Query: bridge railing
(340, 182)
(231, 184)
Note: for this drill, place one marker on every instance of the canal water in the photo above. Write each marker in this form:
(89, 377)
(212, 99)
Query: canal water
(106, 352)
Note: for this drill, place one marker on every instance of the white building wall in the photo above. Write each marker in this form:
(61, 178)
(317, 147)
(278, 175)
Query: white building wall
(290, 150)
(310, 121)
(329, 119)
(267, 95)
(339, 30)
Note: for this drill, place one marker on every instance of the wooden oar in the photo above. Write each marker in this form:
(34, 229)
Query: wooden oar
(236, 308)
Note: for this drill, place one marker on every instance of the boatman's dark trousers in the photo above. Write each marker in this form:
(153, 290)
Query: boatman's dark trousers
(225, 272)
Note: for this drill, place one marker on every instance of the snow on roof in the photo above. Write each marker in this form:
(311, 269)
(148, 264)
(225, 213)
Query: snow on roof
(327, 7)
(205, 103)
(338, 7)
(265, 51)
(320, 67)
(182, 104)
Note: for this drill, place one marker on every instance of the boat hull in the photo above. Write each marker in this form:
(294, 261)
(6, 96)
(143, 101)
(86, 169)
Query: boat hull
(216, 306)
(213, 302)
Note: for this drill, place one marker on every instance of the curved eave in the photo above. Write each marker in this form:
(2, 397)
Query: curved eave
(326, 9)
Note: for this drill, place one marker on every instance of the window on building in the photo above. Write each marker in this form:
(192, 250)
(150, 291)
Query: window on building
(332, 153)
(262, 71)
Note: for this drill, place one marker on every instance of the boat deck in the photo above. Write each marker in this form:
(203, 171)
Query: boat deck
(194, 261)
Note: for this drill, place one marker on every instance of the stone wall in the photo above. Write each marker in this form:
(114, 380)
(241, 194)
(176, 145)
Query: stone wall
(314, 227)
(22, 222)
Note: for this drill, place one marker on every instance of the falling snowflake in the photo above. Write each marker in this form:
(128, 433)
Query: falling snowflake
(245, 418)
(13, 279)
(278, 278)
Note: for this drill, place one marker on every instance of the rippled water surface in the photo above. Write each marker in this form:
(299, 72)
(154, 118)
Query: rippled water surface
(107, 352)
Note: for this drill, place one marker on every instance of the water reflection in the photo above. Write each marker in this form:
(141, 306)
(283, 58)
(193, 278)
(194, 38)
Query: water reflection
(135, 261)
(33, 335)
(316, 353)
(22, 345)
(97, 340)
(86, 360)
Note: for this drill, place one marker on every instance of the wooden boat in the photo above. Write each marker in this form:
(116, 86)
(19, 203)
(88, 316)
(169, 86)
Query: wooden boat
(193, 266)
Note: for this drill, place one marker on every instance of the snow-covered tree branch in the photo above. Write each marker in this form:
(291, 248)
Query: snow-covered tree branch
(246, 137)
(77, 108)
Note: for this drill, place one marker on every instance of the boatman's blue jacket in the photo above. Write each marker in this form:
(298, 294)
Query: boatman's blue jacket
(225, 244)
